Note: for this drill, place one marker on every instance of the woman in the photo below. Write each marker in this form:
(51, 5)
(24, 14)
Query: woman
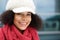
(20, 21)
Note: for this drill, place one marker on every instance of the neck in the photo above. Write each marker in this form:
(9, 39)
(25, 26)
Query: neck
(22, 31)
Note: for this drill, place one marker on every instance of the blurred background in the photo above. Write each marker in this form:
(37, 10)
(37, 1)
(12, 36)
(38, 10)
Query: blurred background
(49, 11)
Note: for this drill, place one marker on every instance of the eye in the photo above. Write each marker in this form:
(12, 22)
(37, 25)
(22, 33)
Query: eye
(18, 13)
(29, 14)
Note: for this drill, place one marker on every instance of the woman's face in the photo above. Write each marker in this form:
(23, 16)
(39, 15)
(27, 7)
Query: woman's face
(22, 20)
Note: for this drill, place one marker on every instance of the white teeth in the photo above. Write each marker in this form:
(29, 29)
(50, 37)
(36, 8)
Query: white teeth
(23, 23)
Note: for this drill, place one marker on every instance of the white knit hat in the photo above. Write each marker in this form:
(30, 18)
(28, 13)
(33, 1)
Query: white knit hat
(18, 6)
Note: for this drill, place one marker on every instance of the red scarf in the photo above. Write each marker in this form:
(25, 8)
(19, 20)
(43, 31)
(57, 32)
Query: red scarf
(12, 33)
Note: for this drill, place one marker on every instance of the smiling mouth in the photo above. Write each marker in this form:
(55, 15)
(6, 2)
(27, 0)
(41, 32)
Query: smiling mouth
(22, 23)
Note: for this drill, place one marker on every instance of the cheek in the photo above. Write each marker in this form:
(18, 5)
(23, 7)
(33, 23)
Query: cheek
(29, 20)
(16, 19)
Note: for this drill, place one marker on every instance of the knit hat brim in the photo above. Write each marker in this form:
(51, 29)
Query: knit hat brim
(23, 9)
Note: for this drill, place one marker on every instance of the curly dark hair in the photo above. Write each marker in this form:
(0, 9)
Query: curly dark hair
(7, 17)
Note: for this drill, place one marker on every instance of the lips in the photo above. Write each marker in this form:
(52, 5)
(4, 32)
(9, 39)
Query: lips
(22, 23)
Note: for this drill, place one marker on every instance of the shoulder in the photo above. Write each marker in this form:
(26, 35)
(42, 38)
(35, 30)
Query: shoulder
(33, 30)
(1, 34)
(0, 30)
(34, 33)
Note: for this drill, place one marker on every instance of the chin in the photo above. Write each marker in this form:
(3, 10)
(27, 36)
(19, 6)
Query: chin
(23, 28)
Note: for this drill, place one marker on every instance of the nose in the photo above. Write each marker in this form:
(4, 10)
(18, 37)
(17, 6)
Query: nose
(24, 18)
